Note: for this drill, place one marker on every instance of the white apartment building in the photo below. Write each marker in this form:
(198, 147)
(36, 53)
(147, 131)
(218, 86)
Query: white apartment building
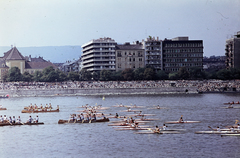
(153, 52)
(99, 54)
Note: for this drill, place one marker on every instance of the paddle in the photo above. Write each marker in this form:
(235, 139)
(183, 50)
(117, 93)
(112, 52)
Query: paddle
(210, 128)
(90, 121)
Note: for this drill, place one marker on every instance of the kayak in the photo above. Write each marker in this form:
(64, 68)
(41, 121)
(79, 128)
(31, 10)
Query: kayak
(214, 132)
(235, 134)
(176, 122)
(162, 132)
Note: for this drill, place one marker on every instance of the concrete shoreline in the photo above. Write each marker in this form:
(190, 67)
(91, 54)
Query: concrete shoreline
(100, 91)
(105, 92)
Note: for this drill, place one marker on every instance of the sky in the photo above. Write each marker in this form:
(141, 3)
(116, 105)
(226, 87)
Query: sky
(29, 23)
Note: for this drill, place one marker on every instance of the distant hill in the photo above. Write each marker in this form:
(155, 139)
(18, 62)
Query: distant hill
(55, 54)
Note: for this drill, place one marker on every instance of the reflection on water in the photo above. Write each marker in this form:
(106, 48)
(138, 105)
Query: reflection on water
(101, 140)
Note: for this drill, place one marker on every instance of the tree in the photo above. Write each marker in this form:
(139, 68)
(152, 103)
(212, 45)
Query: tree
(37, 76)
(62, 76)
(149, 74)
(14, 75)
(196, 73)
(96, 75)
(183, 73)
(117, 76)
(139, 73)
(27, 77)
(73, 76)
(105, 75)
(127, 74)
(49, 74)
(161, 75)
(173, 76)
(224, 74)
(85, 75)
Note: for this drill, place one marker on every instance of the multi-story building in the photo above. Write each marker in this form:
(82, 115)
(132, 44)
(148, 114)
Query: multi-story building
(129, 56)
(99, 55)
(233, 52)
(214, 63)
(182, 52)
(71, 66)
(153, 53)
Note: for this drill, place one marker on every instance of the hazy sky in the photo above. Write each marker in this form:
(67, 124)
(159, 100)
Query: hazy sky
(74, 22)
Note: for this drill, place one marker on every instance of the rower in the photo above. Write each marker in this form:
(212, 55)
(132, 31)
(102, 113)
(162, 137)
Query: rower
(158, 107)
(94, 117)
(10, 119)
(1, 118)
(82, 117)
(157, 130)
(238, 127)
(19, 119)
(116, 115)
(29, 119)
(13, 119)
(164, 127)
(57, 107)
(230, 106)
(218, 129)
(103, 116)
(5, 118)
(232, 129)
(36, 119)
(181, 119)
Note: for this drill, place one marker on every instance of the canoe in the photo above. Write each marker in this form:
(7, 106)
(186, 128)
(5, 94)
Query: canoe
(231, 107)
(85, 121)
(214, 132)
(162, 132)
(234, 134)
(18, 124)
(40, 111)
(176, 122)
(3, 108)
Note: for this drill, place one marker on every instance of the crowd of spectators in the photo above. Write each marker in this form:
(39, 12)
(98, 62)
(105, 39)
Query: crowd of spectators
(201, 86)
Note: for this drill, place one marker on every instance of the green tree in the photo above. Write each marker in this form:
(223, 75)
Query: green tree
(85, 75)
(27, 77)
(224, 74)
(37, 76)
(161, 75)
(196, 73)
(14, 75)
(62, 76)
(128, 74)
(183, 73)
(96, 75)
(105, 75)
(149, 74)
(73, 76)
(173, 76)
(139, 73)
(49, 74)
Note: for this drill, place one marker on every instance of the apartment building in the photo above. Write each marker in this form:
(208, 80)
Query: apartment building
(153, 52)
(181, 52)
(99, 54)
(232, 52)
(129, 56)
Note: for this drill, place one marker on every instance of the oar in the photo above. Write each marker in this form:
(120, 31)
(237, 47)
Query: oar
(9, 122)
(90, 121)
(210, 128)
(82, 121)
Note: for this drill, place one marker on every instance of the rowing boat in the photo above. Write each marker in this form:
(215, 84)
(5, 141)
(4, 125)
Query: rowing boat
(176, 122)
(214, 132)
(18, 124)
(231, 107)
(39, 111)
(161, 132)
(3, 108)
(234, 134)
(85, 121)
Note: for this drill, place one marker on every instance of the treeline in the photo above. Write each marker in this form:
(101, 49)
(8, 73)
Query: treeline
(49, 74)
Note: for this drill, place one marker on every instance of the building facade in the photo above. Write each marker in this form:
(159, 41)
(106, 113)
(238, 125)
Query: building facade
(181, 52)
(99, 55)
(232, 52)
(13, 58)
(71, 66)
(153, 53)
(129, 56)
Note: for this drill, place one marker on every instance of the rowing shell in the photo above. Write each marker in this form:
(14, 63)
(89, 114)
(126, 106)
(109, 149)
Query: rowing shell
(162, 132)
(176, 122)
(231, 107)
(215, 132)
(235, 134)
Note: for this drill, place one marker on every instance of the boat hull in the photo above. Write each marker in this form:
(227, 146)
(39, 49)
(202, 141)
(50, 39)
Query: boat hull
(177, 122)
(26, 111)
(20, 124)
(85, 121)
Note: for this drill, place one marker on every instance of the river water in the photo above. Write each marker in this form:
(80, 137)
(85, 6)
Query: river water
(100, 140)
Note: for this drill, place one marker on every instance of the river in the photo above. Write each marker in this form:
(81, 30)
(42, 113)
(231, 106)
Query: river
(100, 140)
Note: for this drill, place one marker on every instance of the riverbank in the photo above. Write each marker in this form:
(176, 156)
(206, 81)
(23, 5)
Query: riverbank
(79, 88)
